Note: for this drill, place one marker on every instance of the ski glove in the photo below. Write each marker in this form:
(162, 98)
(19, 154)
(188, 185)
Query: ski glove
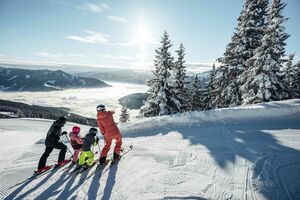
(64, 133)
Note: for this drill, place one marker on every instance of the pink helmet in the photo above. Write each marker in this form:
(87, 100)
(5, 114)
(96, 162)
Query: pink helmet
(76, 129)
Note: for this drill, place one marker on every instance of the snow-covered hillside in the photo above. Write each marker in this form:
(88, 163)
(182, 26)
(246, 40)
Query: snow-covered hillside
(248, 152)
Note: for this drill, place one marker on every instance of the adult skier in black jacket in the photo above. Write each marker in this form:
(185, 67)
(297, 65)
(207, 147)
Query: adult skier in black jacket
(52, 142)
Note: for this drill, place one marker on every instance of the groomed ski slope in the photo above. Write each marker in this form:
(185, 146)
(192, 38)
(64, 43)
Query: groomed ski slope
(247, 152)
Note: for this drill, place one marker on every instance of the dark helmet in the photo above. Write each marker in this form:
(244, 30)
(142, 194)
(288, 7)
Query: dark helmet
(100, 107)
(62, 119)
(93, 130)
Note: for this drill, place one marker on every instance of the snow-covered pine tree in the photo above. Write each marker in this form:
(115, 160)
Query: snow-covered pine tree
(294, 81)
(245, 40)
(276, 23)
(160, 101)
(286, 74)
(233, 55)
(226, 88)
(289, 62)
(247, 36)
(252, 30)
(232, 65)
(262, 81)
(195, 97)
(179, 88)
(124, 116)
(210, 89)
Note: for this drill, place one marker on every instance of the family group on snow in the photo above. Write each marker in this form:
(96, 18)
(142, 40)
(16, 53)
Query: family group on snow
(83, 155)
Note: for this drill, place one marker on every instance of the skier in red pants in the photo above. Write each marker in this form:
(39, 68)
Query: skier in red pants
(109, 131)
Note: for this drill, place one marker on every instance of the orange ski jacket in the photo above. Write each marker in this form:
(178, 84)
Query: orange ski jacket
(106, 123)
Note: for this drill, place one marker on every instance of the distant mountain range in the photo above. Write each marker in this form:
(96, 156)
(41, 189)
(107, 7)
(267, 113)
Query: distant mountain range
(11, 109)
(13, 79)
(119, 75)
(111, 74)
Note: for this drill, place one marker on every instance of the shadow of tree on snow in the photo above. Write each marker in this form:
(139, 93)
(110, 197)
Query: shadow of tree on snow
(249, 138)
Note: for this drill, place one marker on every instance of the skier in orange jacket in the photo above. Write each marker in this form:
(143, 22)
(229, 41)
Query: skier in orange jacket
(109, 131)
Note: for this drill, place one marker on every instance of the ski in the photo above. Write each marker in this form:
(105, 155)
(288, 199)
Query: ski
(33, 176)
(61, 164)
(75, 170)
(86, 167)
(113, 162)
(80, 169)
(69, 167)
(38, 174)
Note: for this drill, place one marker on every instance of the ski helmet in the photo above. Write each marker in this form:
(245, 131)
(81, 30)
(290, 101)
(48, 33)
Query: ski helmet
(100, 107)
(93, 130)
(62, 119)
(76, 129)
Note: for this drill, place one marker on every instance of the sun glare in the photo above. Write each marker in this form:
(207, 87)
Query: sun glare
(142, 34)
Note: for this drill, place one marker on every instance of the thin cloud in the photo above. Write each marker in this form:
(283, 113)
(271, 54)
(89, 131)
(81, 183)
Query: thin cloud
(142, 65)
(94, 8)
(91, 37)
(198, 67)
(135, 42)
(57, 64)
(118, 57)
(117, 19)
(59, 56)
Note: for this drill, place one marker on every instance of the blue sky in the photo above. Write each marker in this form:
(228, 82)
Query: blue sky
(122, 33)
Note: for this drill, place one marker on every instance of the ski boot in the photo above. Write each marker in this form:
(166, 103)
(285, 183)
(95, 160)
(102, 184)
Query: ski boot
(43, 169)
(62, 163)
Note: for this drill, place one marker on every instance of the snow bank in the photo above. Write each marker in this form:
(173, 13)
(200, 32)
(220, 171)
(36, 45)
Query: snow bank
(255, 112)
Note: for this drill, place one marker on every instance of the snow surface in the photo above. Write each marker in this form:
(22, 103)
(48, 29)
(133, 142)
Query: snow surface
(246, 152)
(10, 114)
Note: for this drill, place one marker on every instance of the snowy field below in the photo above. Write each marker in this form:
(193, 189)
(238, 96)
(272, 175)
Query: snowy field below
(247, 152)
(80, 101)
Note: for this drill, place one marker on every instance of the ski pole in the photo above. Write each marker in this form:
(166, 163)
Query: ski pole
(68, 139)
(99, 148)
(68, 148)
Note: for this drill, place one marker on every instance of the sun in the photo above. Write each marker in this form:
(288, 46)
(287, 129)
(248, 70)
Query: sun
(142, 34)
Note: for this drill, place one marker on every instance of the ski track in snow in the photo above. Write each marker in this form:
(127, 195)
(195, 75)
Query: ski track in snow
(238, 153)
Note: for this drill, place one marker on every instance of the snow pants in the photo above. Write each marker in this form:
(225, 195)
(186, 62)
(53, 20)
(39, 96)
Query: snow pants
(76, 154)
(49, 149)
(86, 157)
(108, 140)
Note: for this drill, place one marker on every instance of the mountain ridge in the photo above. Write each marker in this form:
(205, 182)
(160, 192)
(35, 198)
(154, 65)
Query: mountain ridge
(13, 79)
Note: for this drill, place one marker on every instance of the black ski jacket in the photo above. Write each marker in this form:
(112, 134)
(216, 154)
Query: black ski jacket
(54, 133)
(88, 141)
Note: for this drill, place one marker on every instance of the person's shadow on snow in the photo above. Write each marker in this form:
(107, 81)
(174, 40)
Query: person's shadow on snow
(14, 193)
(67, 188)
(110, 182)
(94, 186)
(51, 190)
(19, 189)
